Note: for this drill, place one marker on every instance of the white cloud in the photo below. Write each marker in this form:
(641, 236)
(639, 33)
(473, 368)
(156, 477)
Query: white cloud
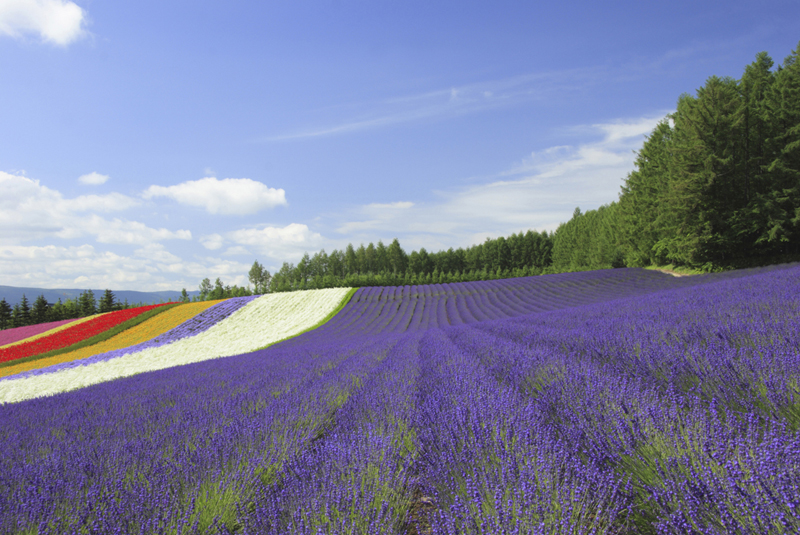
(277, 242)
(132, 232)
(538, 193)
(226, 196)
(212, 241)
(31, 211)
(56, 21)
(52, 266)
(93, 179)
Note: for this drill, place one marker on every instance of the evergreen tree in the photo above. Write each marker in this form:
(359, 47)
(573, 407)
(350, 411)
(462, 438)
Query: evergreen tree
(643, 200)
(24, 316)
(382, 258)
(87, 304)
(504, 256)
(40, 311)
(57, 312)
(107, 302)
(780, 205)
(398, 260)
(361, 259)
(16, 317)
(5, 314)
(184, 296)
(370, 264)
(350, 259)
(336, 264)
(318, 267)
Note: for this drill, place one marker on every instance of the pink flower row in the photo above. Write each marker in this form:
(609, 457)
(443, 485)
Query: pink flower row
(9, 336)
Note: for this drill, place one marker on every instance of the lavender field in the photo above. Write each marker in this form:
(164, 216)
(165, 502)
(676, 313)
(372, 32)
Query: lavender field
(620, 401)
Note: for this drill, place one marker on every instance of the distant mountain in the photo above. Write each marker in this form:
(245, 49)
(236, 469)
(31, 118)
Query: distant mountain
(13, 295)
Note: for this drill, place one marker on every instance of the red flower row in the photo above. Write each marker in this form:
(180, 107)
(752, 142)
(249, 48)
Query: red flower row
(72, 335)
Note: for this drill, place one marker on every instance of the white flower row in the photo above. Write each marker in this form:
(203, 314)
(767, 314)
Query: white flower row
(263, 321)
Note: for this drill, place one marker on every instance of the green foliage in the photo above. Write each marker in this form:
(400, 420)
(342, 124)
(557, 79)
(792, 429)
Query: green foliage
(40, 311)
(588, 241)
(717, 184)
(259, 278)
(5, 314)
(107, 302)
(87, 304)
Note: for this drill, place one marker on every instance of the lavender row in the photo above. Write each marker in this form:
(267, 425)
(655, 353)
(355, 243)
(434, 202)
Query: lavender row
(356, 478)
(549, 424)
(191, 327)
(177, 450)
(662, 414)
(377, 310)
(718, 457)
(494, 465)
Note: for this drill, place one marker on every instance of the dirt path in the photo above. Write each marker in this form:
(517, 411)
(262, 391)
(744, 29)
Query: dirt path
(673, 273)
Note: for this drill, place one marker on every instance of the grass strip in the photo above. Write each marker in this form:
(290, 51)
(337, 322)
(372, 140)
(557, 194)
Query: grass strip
(96, 339)
(326, 319)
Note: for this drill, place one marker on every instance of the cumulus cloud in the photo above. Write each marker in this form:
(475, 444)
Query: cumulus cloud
(93, 179)
(212, 241)
(52, 266)
(284, 243)
(55, 21)
(226, 196)
(537, 193)
(31, 211)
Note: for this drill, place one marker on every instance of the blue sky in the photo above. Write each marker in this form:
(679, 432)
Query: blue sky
(147, 145)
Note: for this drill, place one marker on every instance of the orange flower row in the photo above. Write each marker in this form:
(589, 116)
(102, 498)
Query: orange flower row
(147, 330)
(72, 335)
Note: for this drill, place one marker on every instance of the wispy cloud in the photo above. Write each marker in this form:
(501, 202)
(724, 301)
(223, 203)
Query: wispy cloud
(538, 192)
(453, 101)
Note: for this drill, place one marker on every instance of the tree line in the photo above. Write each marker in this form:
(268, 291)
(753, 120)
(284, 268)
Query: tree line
(716, 185)
(381, 265)
(23, 313)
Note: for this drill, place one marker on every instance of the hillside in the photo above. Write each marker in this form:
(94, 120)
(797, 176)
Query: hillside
(621, 401)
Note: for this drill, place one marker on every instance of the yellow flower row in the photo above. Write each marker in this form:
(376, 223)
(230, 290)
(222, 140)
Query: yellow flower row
(147, 330)
(51, 331)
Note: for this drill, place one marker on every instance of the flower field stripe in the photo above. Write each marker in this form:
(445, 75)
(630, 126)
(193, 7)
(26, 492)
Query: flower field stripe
(263, 321)
(72, 334)
(371, 446)
(326, 319)
(173, 429)
(215, 312)
(106, 326)
(620, 401)
(18, 335)
(166, 319)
